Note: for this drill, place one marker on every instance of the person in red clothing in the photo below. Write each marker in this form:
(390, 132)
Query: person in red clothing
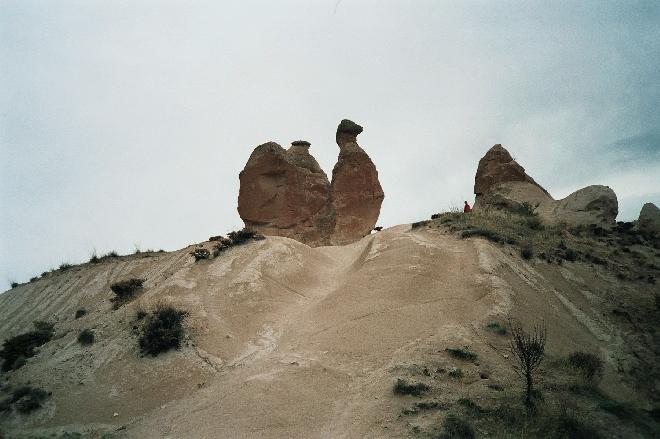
(467, 208)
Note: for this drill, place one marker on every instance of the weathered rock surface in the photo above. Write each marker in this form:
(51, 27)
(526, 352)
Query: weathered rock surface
(501, 183)
(286, 193)
(356, 191)
(497, 166)
(649, 219)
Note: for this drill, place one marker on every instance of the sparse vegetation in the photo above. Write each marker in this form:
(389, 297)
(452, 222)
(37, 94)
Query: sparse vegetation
(527, 252)
(589, 365)
(242, 236)
(462, 353)
(17, 349)
(455, 372)
(25, 399)
(86, 337)
(125, 290)
(403, 387)
(456, 427)
(569, 426)
(418, 224)
(201, 254)
(65, 266)
(94, 259)
(163, 331)
(497, 328)
(528, 350)
(80, 312)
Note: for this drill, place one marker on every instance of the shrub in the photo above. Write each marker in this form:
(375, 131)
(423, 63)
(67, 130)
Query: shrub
(81, 312)
(570, 255)
(94, 258)
(86, 337)
(28, 399)
(65, 266)
(200, 254)
(140, 314)
(403, 387)
(462, 353)
(14, 284)
(455, 372)
(164, 331)
(496, 327)
(471, 407)
(455, 427)
(16, 349)
(528, 349)
(242, 236)
(589, 365)
(527, 252)
(125, 290)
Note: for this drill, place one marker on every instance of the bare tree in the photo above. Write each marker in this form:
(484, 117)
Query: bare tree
(529, 349)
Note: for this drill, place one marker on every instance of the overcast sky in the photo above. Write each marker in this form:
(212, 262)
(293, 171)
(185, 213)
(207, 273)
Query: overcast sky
(126, 123)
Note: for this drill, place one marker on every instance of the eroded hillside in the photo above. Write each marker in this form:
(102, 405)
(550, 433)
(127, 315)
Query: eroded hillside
(284, 340)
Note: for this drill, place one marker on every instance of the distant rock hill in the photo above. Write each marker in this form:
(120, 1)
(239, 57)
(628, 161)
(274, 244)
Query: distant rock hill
(286, 193)
(500, 182)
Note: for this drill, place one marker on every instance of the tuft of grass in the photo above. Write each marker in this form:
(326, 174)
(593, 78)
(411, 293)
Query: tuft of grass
(17, 349)
(125, 290)
(456, 427)
(86, 337)
(462, 353)
(589, 365)
(496, 327)
(65, 266)
(403, 387)
(163, 331)
(80, 312)
(418, 224)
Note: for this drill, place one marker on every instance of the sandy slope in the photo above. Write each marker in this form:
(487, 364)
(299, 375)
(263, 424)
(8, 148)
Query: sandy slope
(290, 341)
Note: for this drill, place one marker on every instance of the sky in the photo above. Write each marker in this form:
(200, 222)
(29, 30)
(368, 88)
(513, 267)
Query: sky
(124, 124)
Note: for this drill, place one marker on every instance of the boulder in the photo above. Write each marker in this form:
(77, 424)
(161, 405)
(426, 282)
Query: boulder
(286, 193)
(355, 190)
(649, 219)
(590, 205)
(501, 183)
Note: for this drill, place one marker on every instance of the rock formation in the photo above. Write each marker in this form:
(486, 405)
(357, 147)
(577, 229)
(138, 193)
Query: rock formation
(649, 219)
(356, 191)
(501, 183)
(497, 166)
(286, 193)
